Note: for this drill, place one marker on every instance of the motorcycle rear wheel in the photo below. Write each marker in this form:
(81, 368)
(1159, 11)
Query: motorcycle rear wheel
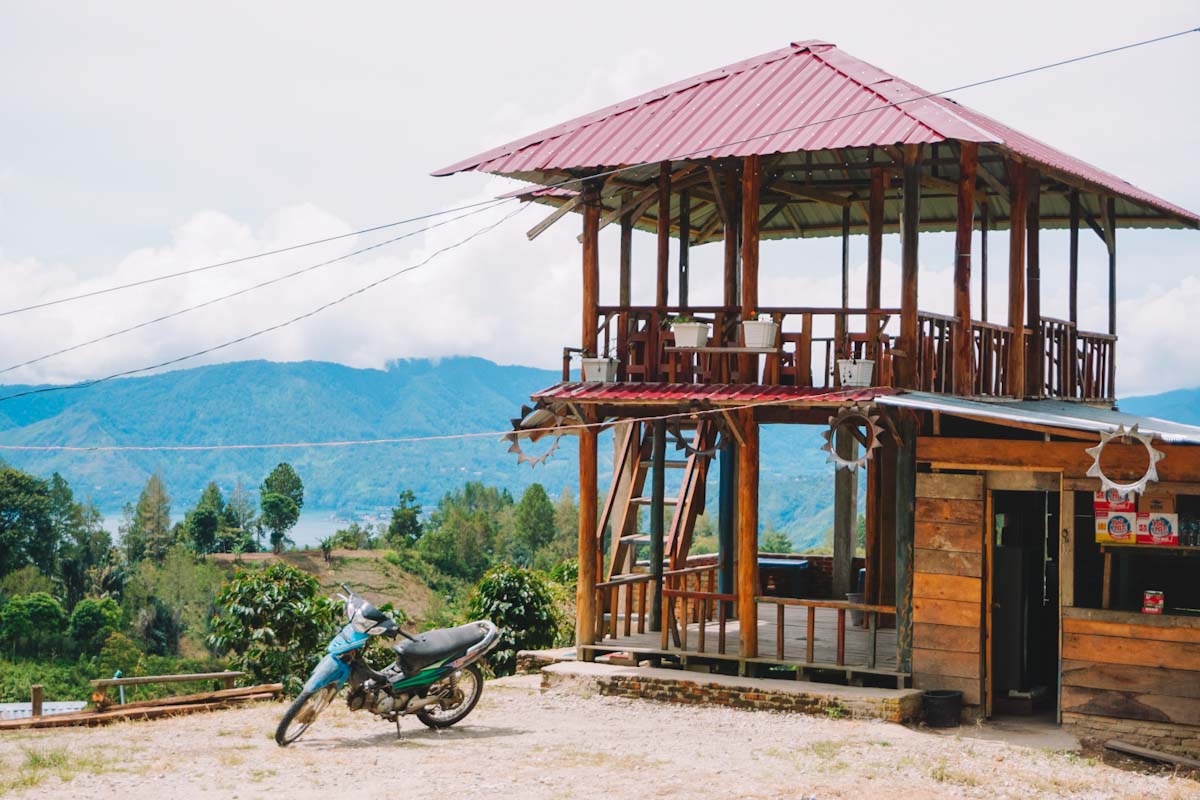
(465, 690)
(302, 713)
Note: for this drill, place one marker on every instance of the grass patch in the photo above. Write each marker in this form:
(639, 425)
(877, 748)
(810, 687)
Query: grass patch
(943, 774)
(40, 763)
(827, 748)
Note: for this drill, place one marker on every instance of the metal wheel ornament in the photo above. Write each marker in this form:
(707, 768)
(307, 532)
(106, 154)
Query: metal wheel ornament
(1131, 435)
(853, 416)
(552, 420)
(681, 443)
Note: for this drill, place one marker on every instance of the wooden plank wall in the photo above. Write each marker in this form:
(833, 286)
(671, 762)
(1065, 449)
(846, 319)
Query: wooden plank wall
(948, 585)
(1131, 671)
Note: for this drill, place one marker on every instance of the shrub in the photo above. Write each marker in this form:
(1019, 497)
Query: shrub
(520, 603)
(61, 680)
(275, 622)
(32, 625)
(119, 653)
(92, 621)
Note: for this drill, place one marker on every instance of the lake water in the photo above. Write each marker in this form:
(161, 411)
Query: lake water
(312, 527)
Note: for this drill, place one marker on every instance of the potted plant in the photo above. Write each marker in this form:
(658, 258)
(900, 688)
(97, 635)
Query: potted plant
(759, 332)
(856, 371)
(689, 332)
(598, 370)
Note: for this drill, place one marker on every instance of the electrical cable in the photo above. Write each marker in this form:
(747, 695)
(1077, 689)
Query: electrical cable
(246, 290)
(275, 327)
(571, 181)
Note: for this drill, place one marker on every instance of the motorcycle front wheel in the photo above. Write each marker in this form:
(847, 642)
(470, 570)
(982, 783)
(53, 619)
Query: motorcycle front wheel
(302, 713)
(460, 692)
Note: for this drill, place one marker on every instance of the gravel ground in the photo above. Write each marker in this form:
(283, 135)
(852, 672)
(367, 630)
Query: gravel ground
(520, 743)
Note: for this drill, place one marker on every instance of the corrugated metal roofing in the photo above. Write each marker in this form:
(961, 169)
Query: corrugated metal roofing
(1051, 413)
(718, 394)
(775, 103)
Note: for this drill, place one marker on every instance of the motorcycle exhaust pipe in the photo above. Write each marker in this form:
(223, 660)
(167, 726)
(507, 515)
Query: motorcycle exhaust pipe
(417, 703)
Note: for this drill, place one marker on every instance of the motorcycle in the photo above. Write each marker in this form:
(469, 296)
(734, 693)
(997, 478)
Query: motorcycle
(435, 676)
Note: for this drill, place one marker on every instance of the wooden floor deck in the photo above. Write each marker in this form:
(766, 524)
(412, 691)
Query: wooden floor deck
(795, 643)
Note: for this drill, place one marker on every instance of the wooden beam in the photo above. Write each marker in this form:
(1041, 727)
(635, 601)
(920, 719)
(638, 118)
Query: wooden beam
(1110, 208)
(751, 182)
(807, 193)
(732, 237)
(747, 536)
(591, 266)
(964, 342)
(1035, 362)
(559, 213)
(657, 519)
(910, 225)
(1073, 261)
(1018, 207)
(985, 212)
(625, 282)
(905, 519)
(875, 254)
(718, 194)
(664, 235)
(585, 590)
(685, 236)
(1182, 462)
(994, 184)
(845, 516)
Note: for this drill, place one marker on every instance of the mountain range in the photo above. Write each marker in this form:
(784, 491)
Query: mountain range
(253, 402)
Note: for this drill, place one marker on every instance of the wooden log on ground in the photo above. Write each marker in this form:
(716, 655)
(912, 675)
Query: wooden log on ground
(119, 714)
(203, 697)
(1153, 755)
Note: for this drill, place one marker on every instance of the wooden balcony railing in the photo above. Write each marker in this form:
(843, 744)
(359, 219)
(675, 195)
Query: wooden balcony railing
(871, 615)
(1062, 361)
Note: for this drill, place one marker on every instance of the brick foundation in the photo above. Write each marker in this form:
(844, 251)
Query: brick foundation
(1182, 740)
(671, 686)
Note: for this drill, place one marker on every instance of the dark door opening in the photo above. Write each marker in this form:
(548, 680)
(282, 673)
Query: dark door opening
(1024, 659)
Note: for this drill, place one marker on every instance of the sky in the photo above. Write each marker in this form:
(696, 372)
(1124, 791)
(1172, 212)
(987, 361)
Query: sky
(142, 138)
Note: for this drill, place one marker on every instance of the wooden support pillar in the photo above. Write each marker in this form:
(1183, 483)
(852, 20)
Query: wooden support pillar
(875, 258)
(984, 221)
(910, 223)
(964, 340)
(1035, 359)
(747, 535)
(657, 520)
(726, 517)
(591, 266)
(1073, 261)
(1110, 228)
(585, 591)
(625, 286)
(751, 183)
(871, 532)
(35, 700)
(906, 500)
(1015, 369)
(664, 236)
(840, 334)
(732, 235)
(685, 236)
(845, 517)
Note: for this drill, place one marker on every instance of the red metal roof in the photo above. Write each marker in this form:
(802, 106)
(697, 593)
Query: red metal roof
(717, 394)
(739, 110)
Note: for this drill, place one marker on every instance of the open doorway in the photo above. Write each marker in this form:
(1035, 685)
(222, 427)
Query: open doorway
(1024, 602)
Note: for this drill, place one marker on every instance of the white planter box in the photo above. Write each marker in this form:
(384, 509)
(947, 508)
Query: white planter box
(856, 371)
(599, 370)
(690, 334)
(759, 333)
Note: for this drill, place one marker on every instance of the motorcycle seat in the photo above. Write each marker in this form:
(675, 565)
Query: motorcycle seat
(433, 646)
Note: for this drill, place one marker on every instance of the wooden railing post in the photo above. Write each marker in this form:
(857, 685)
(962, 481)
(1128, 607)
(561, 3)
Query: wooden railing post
(964, 340)
(35, 699)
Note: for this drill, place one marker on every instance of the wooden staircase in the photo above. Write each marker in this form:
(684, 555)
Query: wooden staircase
(631, 467)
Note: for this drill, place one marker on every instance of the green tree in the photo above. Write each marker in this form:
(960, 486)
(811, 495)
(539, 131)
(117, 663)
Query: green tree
(405, 527)
(26, 580)
(773, 541)
(352, 537)
(275, 622)
(119, 653)
(204, 522)
(519, 602)
(565, 544)
(86, 549)
(92, 621)
(241, 521)
(281, 498)
(27, 534)
(533, 523)
(461, 536)
(32, 625)
(152, 517)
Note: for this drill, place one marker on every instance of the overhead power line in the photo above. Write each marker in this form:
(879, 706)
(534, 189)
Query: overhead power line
(614, 171)
(275, 327)
(246, 290)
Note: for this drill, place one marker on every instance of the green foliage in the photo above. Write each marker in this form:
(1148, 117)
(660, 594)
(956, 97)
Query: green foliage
(461, 537)
(281, 498)
(533, 524)
(60, 680)
(26, 580)
(119, 653)
(275, 623)
(405, 527)
(32, 626)
(152, 519)
(26, 531)
(186, 586)
(520, 603)
(92, 621)
(772, 541)
(352, 537)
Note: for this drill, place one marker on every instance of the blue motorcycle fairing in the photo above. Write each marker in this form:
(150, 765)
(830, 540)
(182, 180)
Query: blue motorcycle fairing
(330, 669)
(347, 639)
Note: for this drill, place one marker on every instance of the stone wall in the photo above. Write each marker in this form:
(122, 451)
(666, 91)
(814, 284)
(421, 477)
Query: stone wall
(1182, 740)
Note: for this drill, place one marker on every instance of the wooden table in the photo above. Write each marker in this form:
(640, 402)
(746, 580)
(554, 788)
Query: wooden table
(723, 355)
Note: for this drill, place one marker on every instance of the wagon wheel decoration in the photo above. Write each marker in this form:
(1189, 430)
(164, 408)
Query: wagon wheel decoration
(721, 443)
(1131, 435)
(850, 418)
(515, 440)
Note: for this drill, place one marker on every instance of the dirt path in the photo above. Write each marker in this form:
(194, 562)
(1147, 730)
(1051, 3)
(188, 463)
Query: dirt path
(520, 743)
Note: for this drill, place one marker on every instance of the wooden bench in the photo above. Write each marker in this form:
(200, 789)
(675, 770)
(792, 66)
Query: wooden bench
(101, 686)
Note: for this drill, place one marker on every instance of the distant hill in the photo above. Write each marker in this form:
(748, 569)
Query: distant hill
(263, 402)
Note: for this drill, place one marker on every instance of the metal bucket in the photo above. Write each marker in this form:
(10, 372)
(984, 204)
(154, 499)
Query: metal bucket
(943, 708)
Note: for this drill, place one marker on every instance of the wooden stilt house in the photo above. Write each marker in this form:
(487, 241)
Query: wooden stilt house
(984, 570)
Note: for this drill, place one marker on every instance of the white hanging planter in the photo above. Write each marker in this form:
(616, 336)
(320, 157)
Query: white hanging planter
(690, 334)
(759, 332)
(599, 370)
(856, 371)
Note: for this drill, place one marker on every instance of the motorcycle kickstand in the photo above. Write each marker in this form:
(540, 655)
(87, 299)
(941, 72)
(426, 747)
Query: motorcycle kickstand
(397, 721)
